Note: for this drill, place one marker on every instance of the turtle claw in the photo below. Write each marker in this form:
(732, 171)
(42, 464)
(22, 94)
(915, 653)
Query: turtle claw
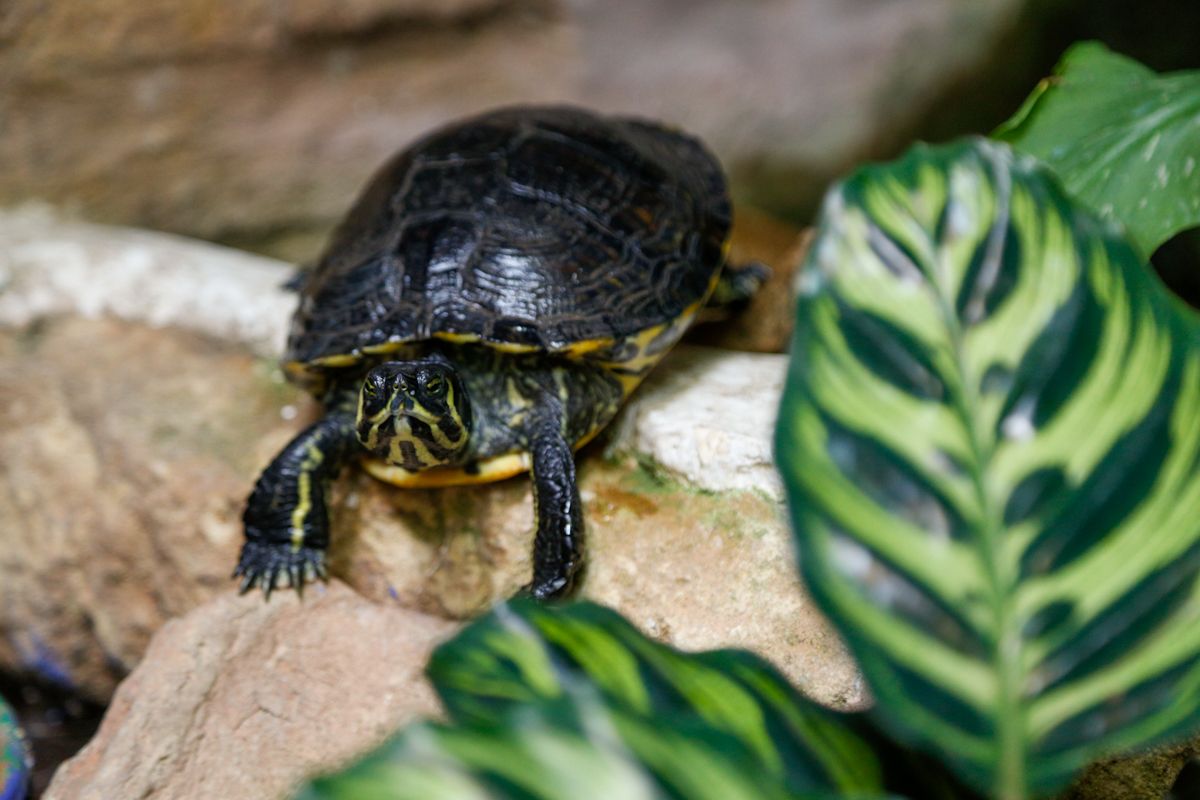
(547, 590)
(282, 566)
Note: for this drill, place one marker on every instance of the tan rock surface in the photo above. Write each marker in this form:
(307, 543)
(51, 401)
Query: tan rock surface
(125, 455)
(242, 699)
(128, 452)
(257, 121)
(695, 569)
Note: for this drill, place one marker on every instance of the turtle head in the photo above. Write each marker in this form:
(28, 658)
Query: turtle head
(414, 414)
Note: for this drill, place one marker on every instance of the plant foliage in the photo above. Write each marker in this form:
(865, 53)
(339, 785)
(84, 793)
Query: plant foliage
(574, 702)
(990, 441)
(1124, 140)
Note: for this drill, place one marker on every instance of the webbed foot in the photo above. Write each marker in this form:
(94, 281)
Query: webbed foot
(271, 566)
(286, 520)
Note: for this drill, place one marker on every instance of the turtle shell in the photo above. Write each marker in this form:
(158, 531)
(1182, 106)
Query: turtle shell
(527, 229)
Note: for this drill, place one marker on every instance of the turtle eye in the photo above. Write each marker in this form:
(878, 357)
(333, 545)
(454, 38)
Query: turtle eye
(434, 384)
(372, 387)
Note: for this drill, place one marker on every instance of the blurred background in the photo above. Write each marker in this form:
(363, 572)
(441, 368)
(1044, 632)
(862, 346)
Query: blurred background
(254, 123)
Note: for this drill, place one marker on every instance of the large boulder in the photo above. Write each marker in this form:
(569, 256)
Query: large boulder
(140, 397)
(125, 454)
(256, 122)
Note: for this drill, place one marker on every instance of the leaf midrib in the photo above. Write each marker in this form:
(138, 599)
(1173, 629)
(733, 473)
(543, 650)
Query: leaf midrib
(1009, 780)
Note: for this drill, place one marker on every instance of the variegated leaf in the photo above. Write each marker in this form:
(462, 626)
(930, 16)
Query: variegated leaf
(526, 653)
(990, 438)
(572, 747)
(571, 701)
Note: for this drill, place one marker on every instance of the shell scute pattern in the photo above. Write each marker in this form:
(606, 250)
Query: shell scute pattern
(525, 231)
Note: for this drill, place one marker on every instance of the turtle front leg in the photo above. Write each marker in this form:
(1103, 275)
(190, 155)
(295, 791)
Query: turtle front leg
(286, 518)
(557, 510)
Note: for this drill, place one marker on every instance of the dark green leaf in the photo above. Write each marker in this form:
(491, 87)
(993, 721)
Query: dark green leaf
(1005, 520)
(526, 653)
(571, 701)
(1123, 139)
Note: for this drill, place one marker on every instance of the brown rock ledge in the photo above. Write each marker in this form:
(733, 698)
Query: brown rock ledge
(244, 699)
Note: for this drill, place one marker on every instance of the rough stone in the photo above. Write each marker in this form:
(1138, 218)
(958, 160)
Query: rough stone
(45, 40)
(245, 699)
(1144, 776)
(695, 569)
(251, 123)
(126, 452)
(258, 123)
(707, 417)
(50, 267)
(125, 456)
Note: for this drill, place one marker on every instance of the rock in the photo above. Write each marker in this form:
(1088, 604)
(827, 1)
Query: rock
(123, 448)
(259, 123)
(127, 452)
(790, 94)
(91, 575)
(706, 417)
(1144, 776)
(695, 569)
(48, 267)
(15, 760)
(245, 699)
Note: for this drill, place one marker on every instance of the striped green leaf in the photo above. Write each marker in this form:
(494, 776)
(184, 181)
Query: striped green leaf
(1123, 139)
(574, 747)
(990, 441)
(571, 701)
(526, 653)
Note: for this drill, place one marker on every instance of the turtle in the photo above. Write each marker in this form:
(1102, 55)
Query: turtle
(495, 293)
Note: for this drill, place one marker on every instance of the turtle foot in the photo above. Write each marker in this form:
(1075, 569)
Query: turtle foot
(549, 589)
(278, 566)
